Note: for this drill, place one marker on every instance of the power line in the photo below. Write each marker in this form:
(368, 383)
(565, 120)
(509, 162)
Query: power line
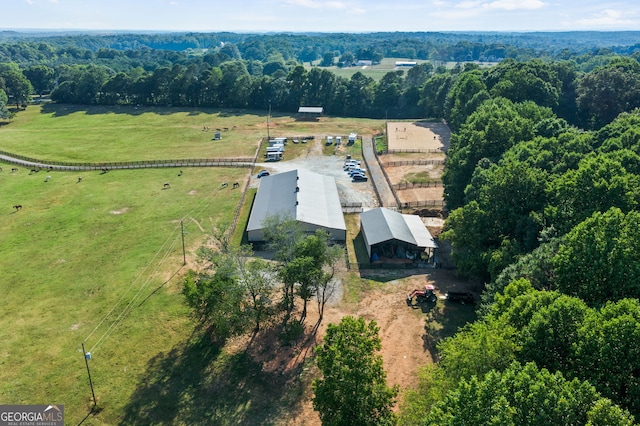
(127, 308)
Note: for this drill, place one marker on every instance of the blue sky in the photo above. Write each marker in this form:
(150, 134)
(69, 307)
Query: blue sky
(321, 15)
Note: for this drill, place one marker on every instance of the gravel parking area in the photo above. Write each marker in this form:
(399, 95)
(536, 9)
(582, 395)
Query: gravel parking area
(351, 192)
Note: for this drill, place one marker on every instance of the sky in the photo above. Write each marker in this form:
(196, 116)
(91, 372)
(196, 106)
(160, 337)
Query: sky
(355, 16)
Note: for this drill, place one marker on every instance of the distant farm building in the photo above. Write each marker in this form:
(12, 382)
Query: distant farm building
(363, 63)
(391, 235)
(310, 112)
(310, 198)
(405, 64)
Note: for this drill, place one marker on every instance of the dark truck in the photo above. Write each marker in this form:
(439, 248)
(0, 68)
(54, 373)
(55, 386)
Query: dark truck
(460, 297)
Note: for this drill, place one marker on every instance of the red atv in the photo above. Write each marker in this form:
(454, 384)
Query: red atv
(423, 296)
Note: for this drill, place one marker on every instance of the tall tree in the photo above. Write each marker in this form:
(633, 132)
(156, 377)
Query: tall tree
(4, 112)
(600, 258)
(525, 395)
(353, 388)
(41, 78)
(16, 86)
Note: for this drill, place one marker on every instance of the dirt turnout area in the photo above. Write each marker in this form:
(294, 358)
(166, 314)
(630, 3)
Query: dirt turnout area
(408, 333)
(431, 140)
(421, 135)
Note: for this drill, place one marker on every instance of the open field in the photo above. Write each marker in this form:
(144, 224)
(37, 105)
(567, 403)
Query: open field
(375, 72)
(99, 134)
(101, 260)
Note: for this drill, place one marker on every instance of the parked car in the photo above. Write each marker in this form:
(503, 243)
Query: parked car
(351, 162)
(356, 170)
(263, 173)
(351, 166)
(359, 178)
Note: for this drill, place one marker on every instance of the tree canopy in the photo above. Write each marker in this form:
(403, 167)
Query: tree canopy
(352, 389)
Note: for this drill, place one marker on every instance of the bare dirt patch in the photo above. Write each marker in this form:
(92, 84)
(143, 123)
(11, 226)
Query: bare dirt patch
(418, 135)
(120, 211)
(407, 342)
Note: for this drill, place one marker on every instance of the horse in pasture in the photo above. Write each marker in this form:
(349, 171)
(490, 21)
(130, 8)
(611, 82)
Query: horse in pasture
(223, 185)
(236, 185)
(18, 207)
(166, 185)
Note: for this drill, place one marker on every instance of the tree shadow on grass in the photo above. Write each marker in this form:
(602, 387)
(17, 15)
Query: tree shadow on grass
(61, 110)
(200, 383)
(443, 321)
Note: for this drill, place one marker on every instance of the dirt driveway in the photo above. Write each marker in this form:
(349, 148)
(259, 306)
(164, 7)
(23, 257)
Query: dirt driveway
(408, 333)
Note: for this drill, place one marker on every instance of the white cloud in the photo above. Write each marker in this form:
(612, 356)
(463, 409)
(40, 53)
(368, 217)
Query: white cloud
(515, 4)
(608, 18)
(500, 4)
(315, 4)
(468, 5)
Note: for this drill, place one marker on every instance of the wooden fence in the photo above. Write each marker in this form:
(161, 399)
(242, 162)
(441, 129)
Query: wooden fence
(412, 151)
(188, 162)
(423, 203)
(411, 185)
(412, 163)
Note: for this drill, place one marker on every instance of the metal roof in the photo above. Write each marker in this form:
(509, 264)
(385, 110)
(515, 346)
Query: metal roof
(312, 110)
(306, 196)
(380, 225)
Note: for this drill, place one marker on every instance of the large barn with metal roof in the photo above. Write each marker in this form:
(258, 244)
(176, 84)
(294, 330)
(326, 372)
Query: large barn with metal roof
(309, 197)
(392, 235)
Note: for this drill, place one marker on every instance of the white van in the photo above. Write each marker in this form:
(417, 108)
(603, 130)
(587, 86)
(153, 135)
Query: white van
(329, 140)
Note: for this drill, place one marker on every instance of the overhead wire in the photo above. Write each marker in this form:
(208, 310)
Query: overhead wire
(206, 201)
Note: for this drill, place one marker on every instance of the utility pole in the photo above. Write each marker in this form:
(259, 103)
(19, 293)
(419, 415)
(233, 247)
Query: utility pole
(184, 255)
(268, 117)
(87, 357)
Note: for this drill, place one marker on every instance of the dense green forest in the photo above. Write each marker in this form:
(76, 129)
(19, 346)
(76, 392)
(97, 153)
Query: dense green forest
(542, 183)
(252, 71)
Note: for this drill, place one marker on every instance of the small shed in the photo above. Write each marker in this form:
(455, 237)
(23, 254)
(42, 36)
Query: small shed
(310, 112)
(392, 235)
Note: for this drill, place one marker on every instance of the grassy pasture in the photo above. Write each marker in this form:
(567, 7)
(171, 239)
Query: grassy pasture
(78, 249)
(96, 134)
(69, 256)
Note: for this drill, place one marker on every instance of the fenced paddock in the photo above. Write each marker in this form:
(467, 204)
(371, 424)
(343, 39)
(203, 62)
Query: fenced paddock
(421, 135)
